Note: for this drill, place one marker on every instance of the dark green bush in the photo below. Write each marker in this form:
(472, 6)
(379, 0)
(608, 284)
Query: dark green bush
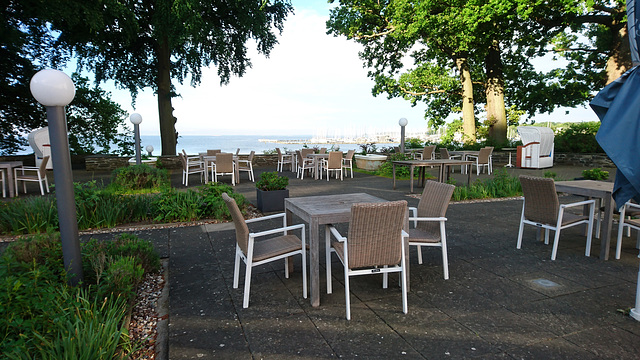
(270, 181)
(386, 169)
(29, 215)
(139, 177)
(595, 174)
(578, 138)
(213, 204)
(501, 185)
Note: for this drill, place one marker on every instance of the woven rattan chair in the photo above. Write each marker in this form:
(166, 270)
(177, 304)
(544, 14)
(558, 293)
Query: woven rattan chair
(283, 159)
(213, 152)
(304, 163)
(429, 220)
(190, 165)
(541, 208)
(625, 221)
(258, 252)
(223, 165)
(322, 151)
(247, 165)
(428, 153)
(32, 173)
(347, 162)
(375, 244)
(333, 163)
(483, 160)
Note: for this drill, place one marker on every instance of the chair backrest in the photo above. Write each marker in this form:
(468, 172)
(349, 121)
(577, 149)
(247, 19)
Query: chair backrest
(350, 154)
(540, 199)
(444, 153)
(305, 152)
(427, 152)
(375, 233)
(238, 152)
(483, 155)
(335, 160)
(434, 203)
(183, 160)
(279, 154)
(184, 153)
(43, 166)
(242, 230)
(213, 152)
(322, 151)
(299, 157)
(251, 154)
(224, 163)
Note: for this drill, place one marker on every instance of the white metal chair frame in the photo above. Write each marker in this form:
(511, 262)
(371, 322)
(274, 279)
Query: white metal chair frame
(223, 169)
(283, 159)
(485, 153)
(247, 165)
(304, 163)
(191, 165)
(2, 178)
(629, 224)
(333, 163)
(347, 162)
(39, 175)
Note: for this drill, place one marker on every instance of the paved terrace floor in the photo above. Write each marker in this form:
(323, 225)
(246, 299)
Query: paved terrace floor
(494, 305)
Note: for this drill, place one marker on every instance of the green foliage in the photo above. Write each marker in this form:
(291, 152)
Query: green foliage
(501, 185)
(578, 138)
(272, 181)
(402, 172)
(368, 148)
(174, 205)
(42, 317)
(595, 174)
(139, 177)
(214, 205)
(413, 143)
(29, 215)
(550, 174)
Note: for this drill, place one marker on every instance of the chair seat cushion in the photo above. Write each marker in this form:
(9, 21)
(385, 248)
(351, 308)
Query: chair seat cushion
(263, 249)
(420, 236)
(28, 177)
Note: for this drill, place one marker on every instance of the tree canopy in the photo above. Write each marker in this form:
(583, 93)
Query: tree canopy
(141, 44)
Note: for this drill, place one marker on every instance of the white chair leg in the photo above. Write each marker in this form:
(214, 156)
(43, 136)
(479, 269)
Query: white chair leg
(587, 251)
(327, 242)
(556, 238)
(236, 269)
(286, 268)
(520, 231)
(419, 254)
(385, 279)
(304, 265)
(620, 231)
(445, 258)
(247, 284)
(347, 298)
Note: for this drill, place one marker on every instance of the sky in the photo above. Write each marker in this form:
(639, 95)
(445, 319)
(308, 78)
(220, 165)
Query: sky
(311, 84)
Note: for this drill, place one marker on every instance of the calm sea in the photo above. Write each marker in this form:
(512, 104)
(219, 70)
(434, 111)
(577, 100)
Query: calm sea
(194, 144)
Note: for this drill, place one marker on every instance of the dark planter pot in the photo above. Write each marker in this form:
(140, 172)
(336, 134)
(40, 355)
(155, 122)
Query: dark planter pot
(271, 201)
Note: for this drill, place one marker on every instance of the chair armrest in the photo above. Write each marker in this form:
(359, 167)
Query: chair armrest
(28, 168)
(579, 203)
(268, 217)
(278, 230)
(414, 212)
(337, 235)
(454, 156)
(428, 219)
(630, 204)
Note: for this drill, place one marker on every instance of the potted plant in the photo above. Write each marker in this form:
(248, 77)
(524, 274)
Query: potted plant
(271, 190)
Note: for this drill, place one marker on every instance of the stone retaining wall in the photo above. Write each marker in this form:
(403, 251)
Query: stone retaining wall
(586, 160)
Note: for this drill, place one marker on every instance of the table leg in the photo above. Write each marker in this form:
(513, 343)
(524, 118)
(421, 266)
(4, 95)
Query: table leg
(236, 173)
(411, 177)
(314, 266)
(509, 164)
(607, 222)
(10, 183)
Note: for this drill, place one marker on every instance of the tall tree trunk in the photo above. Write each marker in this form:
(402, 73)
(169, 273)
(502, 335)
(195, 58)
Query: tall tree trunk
(468, 115)
(620, 57)
(496, 112)
(168, 134)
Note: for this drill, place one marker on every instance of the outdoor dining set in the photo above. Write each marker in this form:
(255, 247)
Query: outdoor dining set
(316, 163)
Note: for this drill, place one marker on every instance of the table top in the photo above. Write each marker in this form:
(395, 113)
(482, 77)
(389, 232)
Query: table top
(10, 164)
(328, 208)
(582, 186)
(432, 162)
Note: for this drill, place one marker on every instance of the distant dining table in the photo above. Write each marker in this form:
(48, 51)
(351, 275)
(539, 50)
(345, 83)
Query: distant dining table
(594, 189)
(208, 159)
(443, 164)
(464, 155)
(8, 166)
(323, 210)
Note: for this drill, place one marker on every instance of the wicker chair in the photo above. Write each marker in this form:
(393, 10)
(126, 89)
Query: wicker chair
(283, 159)
(347, 162)
(223, 165)
(213, 152)
(333, 163)
(629, 208)
(32, 173)
(541, 208)
(303, 162)
(257, 252)
(191, 165)
(428, 153)
(483, 160)
(375, 244)
(429, 220)
(322, 151)
(247, 165)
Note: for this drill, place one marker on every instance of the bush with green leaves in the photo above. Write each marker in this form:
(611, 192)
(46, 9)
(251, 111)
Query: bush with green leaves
(270, 181)
(578, 138)
(29, 215)
(595, 174)
(386, 169)
(500, 185)
(139, 177)
(413, 143)
(42, 317)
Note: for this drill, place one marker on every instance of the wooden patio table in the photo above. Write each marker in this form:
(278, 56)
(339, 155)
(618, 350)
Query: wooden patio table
(594, 189)
(322, 210)
(8, 166)
(443, 164)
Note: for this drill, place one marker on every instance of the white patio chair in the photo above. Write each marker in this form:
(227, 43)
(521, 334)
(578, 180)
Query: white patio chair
(256, 252)
(483, 160)
(32, 173)
(190, 165)
(283, 159)
(347, 162)
(375, 244)
(629, 223)
(223, 165)
(333, 163)
(247, 165)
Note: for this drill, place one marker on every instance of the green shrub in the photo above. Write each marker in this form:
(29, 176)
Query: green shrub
(270, 181)
(139, 177)
(501, 185)
(172, 205)
(214, 205)
(386, 169)
(578, 138)
(29, 215)
(595, 174)
(413, 143)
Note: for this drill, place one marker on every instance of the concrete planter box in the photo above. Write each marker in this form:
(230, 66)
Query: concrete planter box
(271, 201)
(370, 162)
(151, 162)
